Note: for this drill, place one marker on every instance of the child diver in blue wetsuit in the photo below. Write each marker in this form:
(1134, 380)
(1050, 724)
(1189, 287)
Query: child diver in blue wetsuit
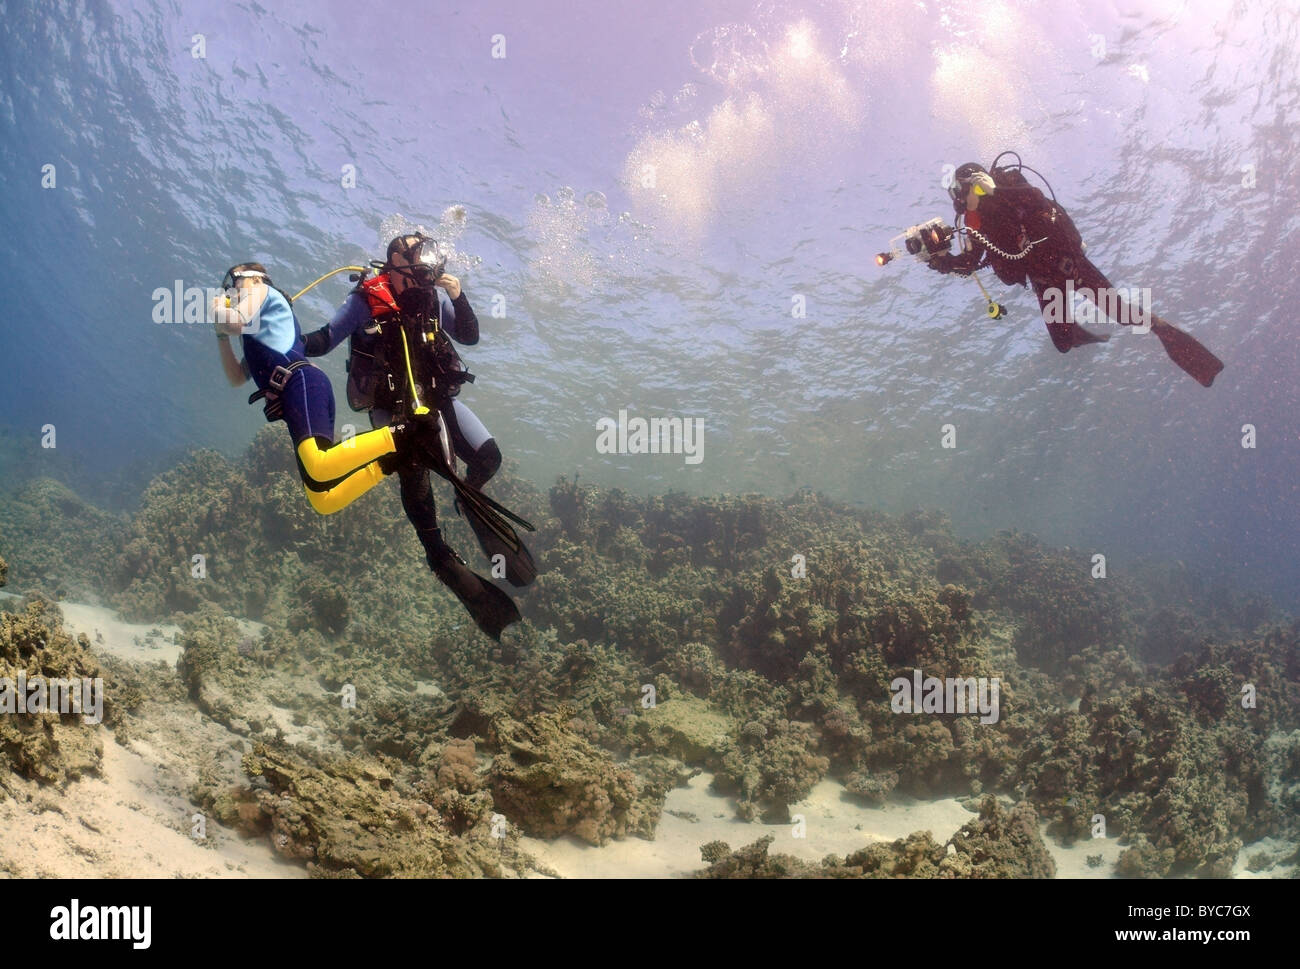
(296, 392)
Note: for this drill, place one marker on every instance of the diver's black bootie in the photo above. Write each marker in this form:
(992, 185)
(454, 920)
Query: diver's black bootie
(1067, 336)
(491, 609)
(435, 549)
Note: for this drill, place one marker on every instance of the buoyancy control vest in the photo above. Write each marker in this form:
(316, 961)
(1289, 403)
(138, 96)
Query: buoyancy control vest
(378, 356)
(1020, 215)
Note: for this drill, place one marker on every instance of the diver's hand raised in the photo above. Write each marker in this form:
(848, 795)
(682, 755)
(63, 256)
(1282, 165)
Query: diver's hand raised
(226, 319)
(451, 284)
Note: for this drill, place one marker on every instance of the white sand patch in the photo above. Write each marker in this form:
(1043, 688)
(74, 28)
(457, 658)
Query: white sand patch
(838, 823)
(136, 642)
(131, 822)
(833, 822)
(1275, 849)
(1072, 862)
(134, 819)
(130, 641)
(298, 733)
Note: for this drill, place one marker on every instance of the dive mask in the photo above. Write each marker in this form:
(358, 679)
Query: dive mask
(239, 272)
(426, 262)
(971, 178)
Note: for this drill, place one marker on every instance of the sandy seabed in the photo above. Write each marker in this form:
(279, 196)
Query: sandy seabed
(135, 820)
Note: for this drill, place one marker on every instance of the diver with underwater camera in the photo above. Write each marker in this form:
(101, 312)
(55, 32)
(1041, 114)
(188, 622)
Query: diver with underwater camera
(1007, 224)
(402, 368)
(927, 240)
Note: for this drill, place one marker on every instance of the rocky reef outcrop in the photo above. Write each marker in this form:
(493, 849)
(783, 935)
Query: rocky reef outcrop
(758, 639)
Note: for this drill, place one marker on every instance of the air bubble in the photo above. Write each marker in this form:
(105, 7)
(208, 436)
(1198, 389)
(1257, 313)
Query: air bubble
(730, 54)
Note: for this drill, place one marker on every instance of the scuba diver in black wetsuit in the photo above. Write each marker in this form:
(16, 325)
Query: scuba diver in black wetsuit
(403, 367)
(1028, 239)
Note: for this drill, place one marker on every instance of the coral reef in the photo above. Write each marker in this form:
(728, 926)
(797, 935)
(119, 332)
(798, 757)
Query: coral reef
(266, 555)
(554, 782)
(751, 637)
(56, 543)
(1000, 843)
(47, 746)
(352, 818)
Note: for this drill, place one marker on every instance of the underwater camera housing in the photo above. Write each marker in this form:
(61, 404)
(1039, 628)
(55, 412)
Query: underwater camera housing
(922, 241)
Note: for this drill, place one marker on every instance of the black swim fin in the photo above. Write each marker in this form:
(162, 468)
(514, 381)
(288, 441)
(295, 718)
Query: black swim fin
(490, 607)
(1187, 352)
(494, 533)
(520, 568)
(487, 518)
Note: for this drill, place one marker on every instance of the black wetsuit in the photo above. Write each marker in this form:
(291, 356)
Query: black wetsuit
(1013, 219)
(482, 457)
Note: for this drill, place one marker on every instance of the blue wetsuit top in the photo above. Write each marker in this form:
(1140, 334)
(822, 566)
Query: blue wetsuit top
(277, 342)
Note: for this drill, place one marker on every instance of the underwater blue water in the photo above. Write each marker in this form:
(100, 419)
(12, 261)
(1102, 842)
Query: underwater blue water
(787, 144)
